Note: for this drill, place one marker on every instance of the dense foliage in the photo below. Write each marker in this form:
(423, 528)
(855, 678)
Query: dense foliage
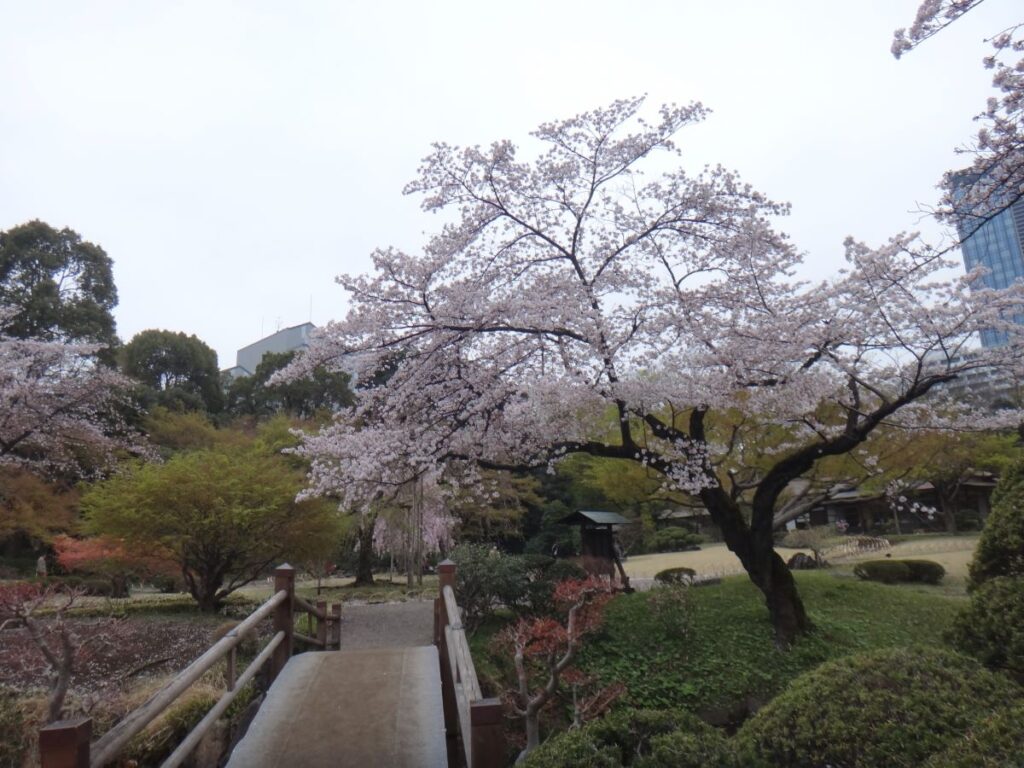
(996, 742)
(487, 579)
(1000, 550)
(893, 707)
(60, 287)
(258, 395)
(640, 739)
(991, 628)
(179, 372)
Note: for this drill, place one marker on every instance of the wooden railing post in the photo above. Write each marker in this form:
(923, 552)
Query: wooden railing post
(321, 624)
(487, 740)
(336, 626)
(65, 744)
(446, 576)
(284, 621)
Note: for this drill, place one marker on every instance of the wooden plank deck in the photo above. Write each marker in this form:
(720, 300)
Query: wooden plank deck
(368, 707)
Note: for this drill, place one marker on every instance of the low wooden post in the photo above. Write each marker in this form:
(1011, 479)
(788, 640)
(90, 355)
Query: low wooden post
(487, 740)
(284, 621)
(336, 626)
(446, 576)
(321, 624)
(65, 744)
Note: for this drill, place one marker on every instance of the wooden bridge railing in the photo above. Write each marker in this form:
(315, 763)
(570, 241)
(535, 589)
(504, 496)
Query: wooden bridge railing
(68, 743)
(466, 712)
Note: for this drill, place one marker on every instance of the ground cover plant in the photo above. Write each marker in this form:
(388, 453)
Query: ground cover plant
(726, 663)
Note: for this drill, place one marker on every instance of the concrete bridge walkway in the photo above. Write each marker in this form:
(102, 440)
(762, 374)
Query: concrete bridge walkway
(376, 702)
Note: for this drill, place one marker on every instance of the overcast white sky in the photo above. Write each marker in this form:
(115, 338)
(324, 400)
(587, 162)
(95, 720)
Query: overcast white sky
(233, 157)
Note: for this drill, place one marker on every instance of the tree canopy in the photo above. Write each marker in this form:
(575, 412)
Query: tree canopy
(181, 370)
(572, 283)
(223, 515)
(57, 286)
(261, 395)
(60, 411)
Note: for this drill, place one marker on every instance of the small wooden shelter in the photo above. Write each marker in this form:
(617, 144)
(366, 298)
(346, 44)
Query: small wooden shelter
(598, 545)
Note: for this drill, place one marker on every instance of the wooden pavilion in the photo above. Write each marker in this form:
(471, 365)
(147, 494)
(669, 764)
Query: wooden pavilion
(598, 545)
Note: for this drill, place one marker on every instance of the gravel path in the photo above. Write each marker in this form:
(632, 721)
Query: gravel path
(387, 625)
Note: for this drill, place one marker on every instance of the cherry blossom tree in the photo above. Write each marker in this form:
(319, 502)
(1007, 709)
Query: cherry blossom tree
(603, 278)
(60, 410)
(994, 180)
(413, 523)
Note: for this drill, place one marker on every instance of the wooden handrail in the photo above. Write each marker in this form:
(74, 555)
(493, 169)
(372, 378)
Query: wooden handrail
(65, 744)
(114, 740)
(467, 713)
(192, 740)
(308, 607)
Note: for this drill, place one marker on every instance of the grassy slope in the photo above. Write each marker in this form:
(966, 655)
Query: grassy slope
(728, 663)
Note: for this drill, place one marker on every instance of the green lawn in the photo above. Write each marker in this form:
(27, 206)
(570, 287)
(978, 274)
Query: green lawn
(953, 552)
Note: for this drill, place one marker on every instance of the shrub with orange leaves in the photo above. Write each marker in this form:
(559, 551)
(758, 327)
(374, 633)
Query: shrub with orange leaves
(110, 558)
(544, 648)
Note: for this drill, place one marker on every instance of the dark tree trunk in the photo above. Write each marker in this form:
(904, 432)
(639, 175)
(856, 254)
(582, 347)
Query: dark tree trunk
(947, 504)
(203, 591)
(785, 608)
(119, 586)
(364, 562)
(765, 568)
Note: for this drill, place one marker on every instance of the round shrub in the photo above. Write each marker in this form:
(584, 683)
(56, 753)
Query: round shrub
(675, 540)
(927, 571)
(1000, 550)
(885, 571)
(991, 628)
(680, 575)
(892, 707)
(640, 739)
(900, 571)
(998, 742)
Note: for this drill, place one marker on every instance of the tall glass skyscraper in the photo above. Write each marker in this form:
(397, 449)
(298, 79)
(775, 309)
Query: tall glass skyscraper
(996, 244)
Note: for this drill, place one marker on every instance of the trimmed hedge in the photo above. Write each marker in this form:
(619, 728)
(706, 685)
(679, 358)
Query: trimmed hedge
(927, 571)
(900, 571)
(893, 707)
(996, 743)
(680, 575)
(991, 628)
(639, 739)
